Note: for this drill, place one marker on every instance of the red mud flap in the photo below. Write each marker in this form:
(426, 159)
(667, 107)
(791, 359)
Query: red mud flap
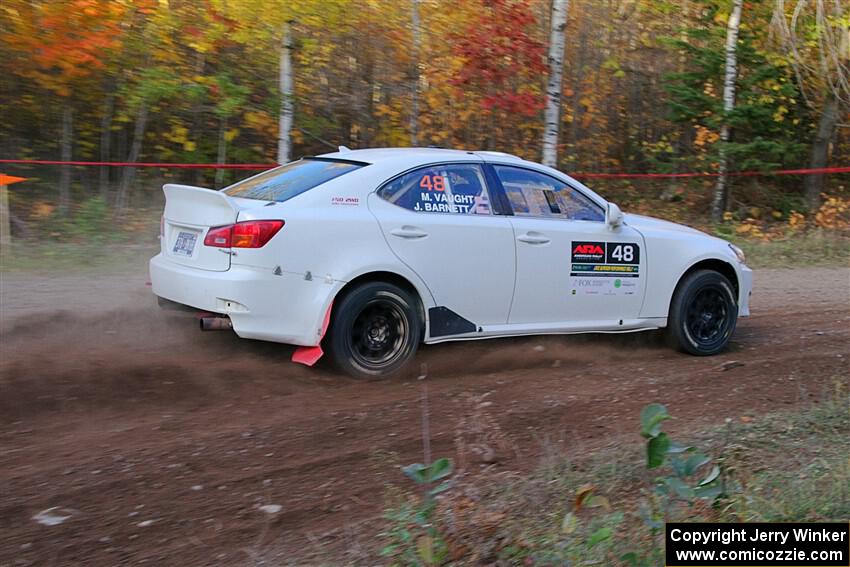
(310, 355)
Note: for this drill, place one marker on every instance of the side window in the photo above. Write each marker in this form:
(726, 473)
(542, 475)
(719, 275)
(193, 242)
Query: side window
(449, 188)
(534, 194)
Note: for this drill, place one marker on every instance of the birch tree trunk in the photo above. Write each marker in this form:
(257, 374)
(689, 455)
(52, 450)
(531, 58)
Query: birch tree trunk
(721, 189)
(414, 86)
(129, 173)
(813, 184)
(552, 114)
(65, 149)
(285, 119)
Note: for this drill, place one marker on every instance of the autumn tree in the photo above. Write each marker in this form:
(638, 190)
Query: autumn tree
(502, 60)
(63, 44)
(816, 37)
(767, 116)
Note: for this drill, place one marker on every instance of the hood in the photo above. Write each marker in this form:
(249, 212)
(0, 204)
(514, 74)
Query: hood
(643, 223)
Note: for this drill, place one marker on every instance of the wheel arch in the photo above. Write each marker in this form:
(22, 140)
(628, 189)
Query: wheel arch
(387, 277)
(714, 264)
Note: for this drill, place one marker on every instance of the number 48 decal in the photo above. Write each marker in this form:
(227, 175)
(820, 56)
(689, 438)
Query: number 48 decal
(438, 184)
(623, 253)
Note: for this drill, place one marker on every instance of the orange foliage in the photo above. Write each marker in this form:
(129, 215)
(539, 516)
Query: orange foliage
(66, 41)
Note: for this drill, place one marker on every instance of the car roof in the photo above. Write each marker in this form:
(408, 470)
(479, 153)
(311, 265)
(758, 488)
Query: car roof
(395, 160)
(422, 155)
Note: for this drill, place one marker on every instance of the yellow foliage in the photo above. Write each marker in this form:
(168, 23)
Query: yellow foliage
(42, 210)
(796, 221)
(178, 134)
(704, 136)
(750, 227)
(262, 122)
(834, 213)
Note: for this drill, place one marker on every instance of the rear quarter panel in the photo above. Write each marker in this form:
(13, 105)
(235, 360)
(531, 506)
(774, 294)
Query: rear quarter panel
(330, 236)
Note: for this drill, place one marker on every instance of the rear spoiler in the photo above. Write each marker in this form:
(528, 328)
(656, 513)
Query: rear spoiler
(198, 206)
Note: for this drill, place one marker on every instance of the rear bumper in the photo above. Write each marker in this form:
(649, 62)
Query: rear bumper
(285, 308)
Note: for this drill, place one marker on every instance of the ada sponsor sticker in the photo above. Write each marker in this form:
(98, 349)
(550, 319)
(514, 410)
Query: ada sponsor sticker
(588, 252)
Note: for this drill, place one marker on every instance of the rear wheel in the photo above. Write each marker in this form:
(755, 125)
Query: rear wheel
(703, 313)
(375, 329)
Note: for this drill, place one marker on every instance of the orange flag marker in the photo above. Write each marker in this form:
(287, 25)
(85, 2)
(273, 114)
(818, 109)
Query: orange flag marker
(9, 179)
(5, 228)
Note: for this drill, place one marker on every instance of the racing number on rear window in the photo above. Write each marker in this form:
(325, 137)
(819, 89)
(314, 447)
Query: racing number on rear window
(623, 253)
(457, 188)
(438, 183)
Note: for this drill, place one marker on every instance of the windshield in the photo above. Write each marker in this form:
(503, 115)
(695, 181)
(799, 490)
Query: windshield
(287, 181)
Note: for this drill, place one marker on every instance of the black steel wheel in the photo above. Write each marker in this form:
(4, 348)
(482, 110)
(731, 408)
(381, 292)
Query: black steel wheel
(375, 329)
(703, 313)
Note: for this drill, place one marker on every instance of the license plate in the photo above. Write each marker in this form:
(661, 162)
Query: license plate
(185, 243)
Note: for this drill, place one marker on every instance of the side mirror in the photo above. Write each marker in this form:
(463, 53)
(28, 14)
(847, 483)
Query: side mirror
(613, 216)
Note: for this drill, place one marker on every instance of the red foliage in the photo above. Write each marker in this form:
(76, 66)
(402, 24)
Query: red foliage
(500, 55)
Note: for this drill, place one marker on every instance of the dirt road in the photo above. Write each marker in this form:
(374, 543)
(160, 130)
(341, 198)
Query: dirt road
(159, 444)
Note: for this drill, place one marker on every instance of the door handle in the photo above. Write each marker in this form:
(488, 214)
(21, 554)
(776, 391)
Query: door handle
(408, 232)
(533, 238)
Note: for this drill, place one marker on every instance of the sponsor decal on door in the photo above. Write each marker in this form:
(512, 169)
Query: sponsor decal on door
(604, 268)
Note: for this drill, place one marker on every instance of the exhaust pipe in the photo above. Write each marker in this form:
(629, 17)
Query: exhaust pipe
(216, 324)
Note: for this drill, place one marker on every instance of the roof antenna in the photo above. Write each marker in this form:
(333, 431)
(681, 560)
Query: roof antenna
(344, 149)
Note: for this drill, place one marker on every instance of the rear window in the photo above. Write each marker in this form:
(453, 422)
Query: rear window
(287, 181)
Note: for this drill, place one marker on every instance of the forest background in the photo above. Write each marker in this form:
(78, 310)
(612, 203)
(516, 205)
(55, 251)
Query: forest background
(265, 81)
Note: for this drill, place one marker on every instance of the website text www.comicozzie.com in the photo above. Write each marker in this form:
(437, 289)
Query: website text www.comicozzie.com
(757, 544)
(779, 555)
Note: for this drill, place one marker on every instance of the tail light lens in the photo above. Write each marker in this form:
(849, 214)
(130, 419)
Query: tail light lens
(247, 234)
(219, 236)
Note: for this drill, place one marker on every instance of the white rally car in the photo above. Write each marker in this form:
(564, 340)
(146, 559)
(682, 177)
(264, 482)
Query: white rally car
(367, 253)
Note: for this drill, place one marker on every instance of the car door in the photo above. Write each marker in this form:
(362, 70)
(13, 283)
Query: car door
(572, 269)
(439, 221)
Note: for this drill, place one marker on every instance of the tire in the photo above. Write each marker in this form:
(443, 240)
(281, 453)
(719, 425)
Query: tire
(703, 313)
(374, 330)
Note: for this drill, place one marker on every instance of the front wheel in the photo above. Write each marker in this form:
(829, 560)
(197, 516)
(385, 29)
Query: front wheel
(375, 329)
(703, 313)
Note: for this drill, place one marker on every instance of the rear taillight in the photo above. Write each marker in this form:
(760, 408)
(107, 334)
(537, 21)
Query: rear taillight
(162, 226)
(248, 234)
(254, 234)
(219, 236)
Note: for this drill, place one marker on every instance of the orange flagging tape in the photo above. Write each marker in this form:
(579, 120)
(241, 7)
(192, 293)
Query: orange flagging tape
(581, 175)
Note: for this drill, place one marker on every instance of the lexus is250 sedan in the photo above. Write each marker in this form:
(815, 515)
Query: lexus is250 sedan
(366, 254)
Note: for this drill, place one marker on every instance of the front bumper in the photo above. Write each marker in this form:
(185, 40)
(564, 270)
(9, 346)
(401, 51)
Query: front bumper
(745, 290)
(284, 308)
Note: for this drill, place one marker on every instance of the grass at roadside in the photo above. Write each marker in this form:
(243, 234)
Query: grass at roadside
(813, 248)
(605, 508)
(76, 258)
